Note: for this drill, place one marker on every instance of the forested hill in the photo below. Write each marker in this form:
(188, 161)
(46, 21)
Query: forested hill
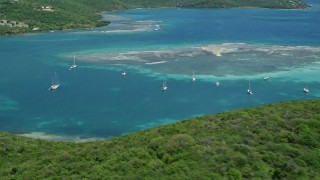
(21, 16)
(279, 141)
(282, 4)
(45, 15)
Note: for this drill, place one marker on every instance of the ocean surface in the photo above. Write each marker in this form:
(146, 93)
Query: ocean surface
(236, 47)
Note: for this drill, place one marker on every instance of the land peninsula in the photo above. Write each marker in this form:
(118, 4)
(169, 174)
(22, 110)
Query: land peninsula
(277, 141)
(25, 16)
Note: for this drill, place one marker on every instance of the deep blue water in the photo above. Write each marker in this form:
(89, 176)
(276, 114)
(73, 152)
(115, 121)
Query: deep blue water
(95, 101)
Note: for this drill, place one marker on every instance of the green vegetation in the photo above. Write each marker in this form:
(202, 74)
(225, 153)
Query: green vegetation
(279, 141)
(283, 4)
(62, 14)
(82, 14)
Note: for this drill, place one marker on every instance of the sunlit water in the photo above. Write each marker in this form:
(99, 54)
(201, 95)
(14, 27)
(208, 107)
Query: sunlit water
(232, 46)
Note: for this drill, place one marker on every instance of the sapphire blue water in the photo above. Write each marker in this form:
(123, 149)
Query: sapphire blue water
(232, 46)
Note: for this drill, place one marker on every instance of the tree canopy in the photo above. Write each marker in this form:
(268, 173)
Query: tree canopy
(278, 141)
(83, 14)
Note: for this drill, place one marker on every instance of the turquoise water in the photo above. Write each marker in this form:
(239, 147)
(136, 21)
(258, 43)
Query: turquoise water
(232, 46)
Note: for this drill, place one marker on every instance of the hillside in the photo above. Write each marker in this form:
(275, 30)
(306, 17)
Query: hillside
(45, 15)
(22, 16)
(279, 141)
(280, 4)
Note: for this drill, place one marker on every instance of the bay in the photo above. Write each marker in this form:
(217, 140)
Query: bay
(232, 46)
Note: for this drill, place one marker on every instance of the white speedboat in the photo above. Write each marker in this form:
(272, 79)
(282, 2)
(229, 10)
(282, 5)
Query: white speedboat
(217, 84)
(306, 90)
(266, 78)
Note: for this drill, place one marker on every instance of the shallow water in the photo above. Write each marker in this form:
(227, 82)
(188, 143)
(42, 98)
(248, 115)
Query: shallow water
(232, 46)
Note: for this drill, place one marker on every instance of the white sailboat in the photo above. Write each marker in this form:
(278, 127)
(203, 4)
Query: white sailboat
(73, 66)
(193, 77)
(306, 89)
(55, 83)
(124, 70)
(164, 85)
(249, 91)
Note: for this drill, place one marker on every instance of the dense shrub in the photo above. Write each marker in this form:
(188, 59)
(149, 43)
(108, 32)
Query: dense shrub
(267, 142)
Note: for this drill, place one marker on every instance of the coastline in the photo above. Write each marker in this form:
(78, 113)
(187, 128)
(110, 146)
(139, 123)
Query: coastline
(267, 137)
(59, 138)
(106, 23)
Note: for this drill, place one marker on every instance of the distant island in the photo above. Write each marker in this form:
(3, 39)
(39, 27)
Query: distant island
(278, 141)
(25, 16)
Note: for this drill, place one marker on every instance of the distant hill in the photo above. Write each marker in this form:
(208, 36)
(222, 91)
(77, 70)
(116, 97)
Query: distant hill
(278, 141)
(281, 4)
(45, 15)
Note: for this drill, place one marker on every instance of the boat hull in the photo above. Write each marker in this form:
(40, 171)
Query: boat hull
(54, 87)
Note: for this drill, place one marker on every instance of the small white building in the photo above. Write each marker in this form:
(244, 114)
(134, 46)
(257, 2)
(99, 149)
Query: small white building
(22, 24)
(47, 8)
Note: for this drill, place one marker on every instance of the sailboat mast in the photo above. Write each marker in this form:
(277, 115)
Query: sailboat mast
(74, 59)
(56, 78)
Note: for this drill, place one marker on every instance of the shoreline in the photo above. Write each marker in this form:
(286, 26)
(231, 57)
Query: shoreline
(59, 138)
(308, 6)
